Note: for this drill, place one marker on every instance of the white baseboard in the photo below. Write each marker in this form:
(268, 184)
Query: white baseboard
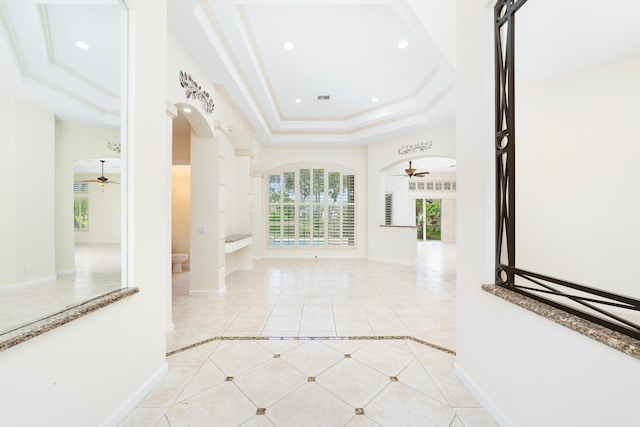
(65, 273)
(487, 403)
(392, 261)
(129, 404)
(169, 328)
(30, 282)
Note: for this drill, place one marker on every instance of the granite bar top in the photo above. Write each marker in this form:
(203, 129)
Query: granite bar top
(235, 237)
(614, 339)
(32, 330)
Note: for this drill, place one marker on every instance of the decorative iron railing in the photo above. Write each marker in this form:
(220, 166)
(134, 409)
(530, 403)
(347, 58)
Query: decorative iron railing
(579, 300)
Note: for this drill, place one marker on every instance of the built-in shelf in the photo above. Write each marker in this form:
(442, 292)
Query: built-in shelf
(235, 242)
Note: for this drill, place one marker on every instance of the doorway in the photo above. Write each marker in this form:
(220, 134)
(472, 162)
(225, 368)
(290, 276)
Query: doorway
(428, 219)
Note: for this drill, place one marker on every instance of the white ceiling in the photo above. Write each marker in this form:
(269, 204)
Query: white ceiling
(41, 64)
(346, 49)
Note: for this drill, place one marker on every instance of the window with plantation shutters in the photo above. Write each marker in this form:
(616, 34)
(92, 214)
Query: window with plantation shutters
(388, 209)
(81, 206)
(311, 206)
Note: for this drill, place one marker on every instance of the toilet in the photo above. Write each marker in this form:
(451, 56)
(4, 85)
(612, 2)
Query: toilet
(177, 260)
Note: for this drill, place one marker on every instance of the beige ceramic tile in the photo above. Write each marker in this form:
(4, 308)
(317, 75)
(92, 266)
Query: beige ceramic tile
(383, 357)
(165, 393)
(240, 358)
(312, 358)
(310, 405)
(353, 382)
(143, 417)
(452, 389)
(207, 376)
(399, 404)
(222, 405)
(475, 417)
(268, 383)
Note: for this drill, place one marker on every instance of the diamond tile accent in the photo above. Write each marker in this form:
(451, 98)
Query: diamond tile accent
(211, 342)
(269, 382)
(353, 382)
(229, 379)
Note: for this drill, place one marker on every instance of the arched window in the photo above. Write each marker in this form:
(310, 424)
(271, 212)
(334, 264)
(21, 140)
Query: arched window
(311, 205)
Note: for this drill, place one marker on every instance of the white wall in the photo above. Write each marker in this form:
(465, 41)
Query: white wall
(528, 371)
(353, 158)
(104, 211)
(76, 141)
(591, 155)
(27, 215)
(180, 208)
(382, 156)
(92, 370)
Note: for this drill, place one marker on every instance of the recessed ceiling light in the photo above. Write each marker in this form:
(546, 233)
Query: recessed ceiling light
(374, 99)
(297, 100)
(288, 45)
(186, 109)
(402, 44)
(82, 45)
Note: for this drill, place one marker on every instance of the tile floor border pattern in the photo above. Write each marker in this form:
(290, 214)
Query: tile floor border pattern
(326, 338)
(300, 381)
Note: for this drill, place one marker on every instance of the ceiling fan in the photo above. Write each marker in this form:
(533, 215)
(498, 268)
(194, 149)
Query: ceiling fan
(411, 172)
(101, 180)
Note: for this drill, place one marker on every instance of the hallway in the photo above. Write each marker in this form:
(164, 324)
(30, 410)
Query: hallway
(323, 342)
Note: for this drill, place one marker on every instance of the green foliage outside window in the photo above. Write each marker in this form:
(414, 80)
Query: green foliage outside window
(81, 214)
(317, 209)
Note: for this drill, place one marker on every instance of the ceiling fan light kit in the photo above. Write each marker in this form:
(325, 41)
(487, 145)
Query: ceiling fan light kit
(410, 172)
(101, 180)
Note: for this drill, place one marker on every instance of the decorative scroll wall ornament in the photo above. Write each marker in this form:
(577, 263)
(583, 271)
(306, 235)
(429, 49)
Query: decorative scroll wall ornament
(114, 147)
(415, 148)
(195, 91)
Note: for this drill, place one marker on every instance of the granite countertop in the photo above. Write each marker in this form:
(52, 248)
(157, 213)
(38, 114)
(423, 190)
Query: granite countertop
(235, 237)
(614, 339)
(32, 330)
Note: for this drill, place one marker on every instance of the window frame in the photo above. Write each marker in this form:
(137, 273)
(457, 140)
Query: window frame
(314, 229)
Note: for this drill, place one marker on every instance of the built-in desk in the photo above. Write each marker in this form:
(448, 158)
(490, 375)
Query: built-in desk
(237, 249)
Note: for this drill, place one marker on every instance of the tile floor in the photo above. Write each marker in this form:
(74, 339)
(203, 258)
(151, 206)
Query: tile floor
(326, 343)
(97, 273)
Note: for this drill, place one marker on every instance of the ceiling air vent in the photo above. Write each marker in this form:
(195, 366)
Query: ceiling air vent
(324, 97)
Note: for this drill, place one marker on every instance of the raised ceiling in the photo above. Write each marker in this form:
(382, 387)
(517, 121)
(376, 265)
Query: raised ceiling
(41, 63)
(344, 50)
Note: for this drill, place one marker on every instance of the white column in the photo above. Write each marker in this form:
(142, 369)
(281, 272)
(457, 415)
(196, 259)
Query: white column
(172, 113)
(206, 222)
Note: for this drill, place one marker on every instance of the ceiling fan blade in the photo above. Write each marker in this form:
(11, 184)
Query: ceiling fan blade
(421, 173)
(90, 180)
